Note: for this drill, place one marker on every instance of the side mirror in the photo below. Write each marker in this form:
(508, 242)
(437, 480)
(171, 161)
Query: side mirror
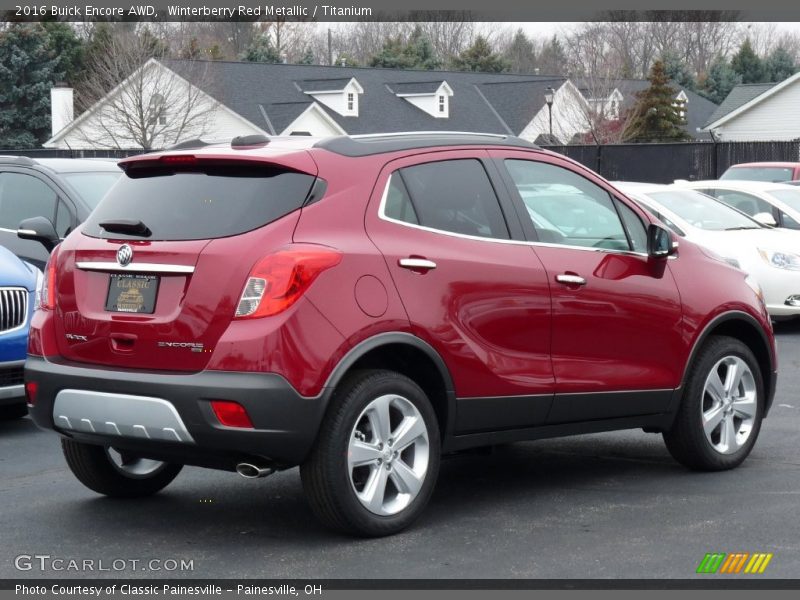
(39, 229)
(659, 242)
(765, 219)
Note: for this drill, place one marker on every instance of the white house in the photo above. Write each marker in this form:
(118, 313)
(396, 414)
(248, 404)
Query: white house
(169, 101)
(759, 112)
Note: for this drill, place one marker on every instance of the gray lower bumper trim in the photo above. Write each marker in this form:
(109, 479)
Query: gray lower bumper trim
(119, 414)
(12, 391)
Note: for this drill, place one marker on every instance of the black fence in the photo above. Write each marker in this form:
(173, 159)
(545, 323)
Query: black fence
(654, 163)
(664, 163)
(54, 153)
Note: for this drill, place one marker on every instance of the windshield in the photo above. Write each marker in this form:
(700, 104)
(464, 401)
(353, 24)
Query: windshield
(91, 187)
(703, 211)
(771, 174)
(790, 197)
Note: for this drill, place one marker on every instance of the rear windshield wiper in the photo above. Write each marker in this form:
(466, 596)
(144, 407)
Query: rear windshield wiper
(127, 226)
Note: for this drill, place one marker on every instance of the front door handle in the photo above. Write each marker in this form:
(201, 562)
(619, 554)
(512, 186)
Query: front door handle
(571, 279)
(417, 264)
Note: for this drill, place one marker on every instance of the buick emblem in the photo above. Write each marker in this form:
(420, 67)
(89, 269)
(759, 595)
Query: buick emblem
(124, 255)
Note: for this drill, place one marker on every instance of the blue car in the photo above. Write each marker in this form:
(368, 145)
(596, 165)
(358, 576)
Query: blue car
(19, 284)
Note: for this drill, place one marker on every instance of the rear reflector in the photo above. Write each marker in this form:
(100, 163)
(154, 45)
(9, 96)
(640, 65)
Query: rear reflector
(231, 414)
(31, 389)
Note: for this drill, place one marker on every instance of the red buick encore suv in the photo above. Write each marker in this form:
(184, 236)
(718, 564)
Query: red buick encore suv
(359, 306)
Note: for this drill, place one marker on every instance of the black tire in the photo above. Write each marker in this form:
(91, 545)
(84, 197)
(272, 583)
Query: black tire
(13, 411)
(325, 475)
(94, 468)
(686, 440)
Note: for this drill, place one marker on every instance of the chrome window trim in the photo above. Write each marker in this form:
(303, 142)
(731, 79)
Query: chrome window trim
(133, 267)
(383, 217)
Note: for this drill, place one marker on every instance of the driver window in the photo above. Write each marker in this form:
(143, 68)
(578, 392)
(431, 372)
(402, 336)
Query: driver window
(566, 208)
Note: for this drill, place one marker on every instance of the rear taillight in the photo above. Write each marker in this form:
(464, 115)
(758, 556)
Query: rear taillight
(231, 414)
(47, 295)
(31, 388)
(279, 279)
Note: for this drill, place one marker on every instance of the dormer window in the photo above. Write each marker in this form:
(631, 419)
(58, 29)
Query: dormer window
(338, 94)
(431, 97)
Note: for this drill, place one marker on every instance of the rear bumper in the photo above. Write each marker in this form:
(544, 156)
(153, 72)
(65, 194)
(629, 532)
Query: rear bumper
(116, 411)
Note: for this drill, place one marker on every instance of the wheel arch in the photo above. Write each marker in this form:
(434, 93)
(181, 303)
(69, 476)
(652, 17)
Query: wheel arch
(748, 330)
(414, 358)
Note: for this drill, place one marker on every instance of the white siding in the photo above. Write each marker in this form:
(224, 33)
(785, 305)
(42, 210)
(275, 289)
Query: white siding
(313, 122)
(776, 118)
(569, 116)
(98, 128)
(337, 101)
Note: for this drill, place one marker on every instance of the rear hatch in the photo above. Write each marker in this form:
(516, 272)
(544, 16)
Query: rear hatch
(154, 276)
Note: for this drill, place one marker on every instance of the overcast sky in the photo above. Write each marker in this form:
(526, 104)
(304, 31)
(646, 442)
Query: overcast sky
(548, 29)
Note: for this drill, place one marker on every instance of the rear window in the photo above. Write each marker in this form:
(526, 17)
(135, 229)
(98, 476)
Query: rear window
(217, 202)
(770, 174)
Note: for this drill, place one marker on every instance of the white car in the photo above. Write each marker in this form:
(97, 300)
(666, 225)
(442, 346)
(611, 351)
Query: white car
(775, 204)
(771, 256)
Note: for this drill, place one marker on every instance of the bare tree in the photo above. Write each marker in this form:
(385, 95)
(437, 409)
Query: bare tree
(138, 102)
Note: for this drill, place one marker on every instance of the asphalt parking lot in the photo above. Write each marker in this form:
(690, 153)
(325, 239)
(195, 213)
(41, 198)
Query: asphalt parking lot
(598, 506)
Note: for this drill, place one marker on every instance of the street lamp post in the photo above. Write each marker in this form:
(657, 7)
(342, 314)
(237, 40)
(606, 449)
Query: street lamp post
(548, 98)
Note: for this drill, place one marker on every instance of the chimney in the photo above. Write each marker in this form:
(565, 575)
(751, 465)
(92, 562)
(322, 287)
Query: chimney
(61, 106)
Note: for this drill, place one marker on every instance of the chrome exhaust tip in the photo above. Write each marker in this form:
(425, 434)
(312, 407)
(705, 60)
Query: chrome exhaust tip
(251, 471)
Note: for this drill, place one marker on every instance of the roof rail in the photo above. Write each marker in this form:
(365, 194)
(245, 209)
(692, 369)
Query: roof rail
(366, 145)
(17, 160)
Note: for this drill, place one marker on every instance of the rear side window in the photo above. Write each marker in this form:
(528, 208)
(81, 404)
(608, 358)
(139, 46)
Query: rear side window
(451, 195)
(22, 197)
(217, 202)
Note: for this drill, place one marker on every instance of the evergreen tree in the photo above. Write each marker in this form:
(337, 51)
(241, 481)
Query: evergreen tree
(780, 65)
(656, 118)
(261, 50)
(748, 65)
(553, 58)
(416, 53)
(520, 54)
(308, 58)
(68, 49)
(677, 71)
(720, 81)
(28, 69)
(480, 57)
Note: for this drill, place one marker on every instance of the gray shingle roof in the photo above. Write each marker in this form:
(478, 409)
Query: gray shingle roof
(416, 87)
(517, 102)
(738, 96)
(488, 102)
(323, 85)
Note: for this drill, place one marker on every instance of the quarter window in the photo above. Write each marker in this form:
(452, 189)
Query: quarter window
(565, 208)
(454, 195)
(24, 196)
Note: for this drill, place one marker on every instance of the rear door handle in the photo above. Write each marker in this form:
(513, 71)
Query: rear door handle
(571, 279)
(417, 264)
